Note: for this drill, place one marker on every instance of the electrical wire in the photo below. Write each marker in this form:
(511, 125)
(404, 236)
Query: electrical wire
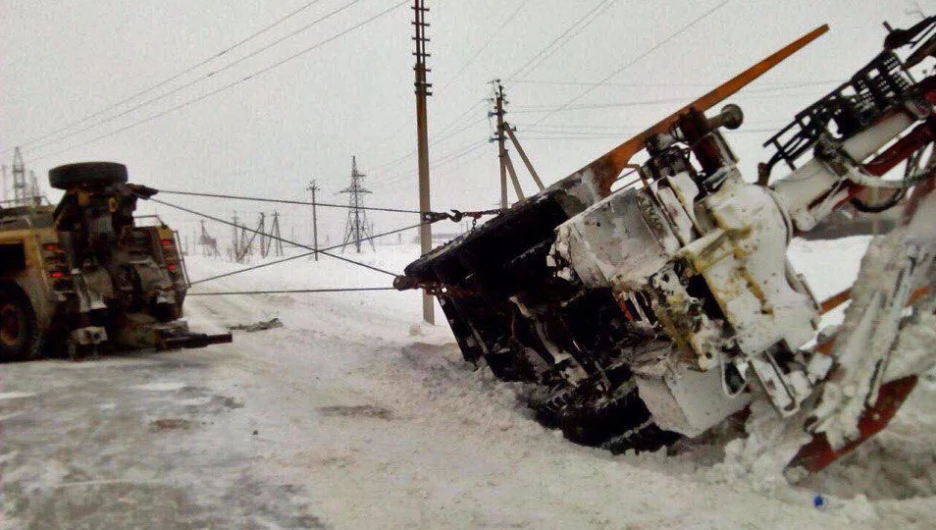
(528, 67)
(307, 254)
(270, 236)
(630, 63)
(535, 109)
(171, 78)
(397, 177)
(195, 81)
(765, 88)
(438, 138)
(249, 77)
(487, 43)
(283, 201)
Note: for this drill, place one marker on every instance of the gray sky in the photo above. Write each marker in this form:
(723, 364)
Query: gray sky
(304, 119)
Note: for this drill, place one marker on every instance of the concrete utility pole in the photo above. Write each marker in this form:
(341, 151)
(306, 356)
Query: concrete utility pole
(422, 136)
(313, 188)
(357, 228)
(500, 138)
(261, 231)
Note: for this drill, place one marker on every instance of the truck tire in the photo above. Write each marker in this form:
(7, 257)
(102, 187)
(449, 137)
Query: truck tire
(87, 173)
(20, 336)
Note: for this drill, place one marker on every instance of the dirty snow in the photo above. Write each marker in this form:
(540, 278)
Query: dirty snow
(354, 415)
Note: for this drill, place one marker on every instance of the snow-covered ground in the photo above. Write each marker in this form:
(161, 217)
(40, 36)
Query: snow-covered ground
(354, 415)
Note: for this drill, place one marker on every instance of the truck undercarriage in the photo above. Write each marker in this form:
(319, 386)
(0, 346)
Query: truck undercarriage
(85, 275)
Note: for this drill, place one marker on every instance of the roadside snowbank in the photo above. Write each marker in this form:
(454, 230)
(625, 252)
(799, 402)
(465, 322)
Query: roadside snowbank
(355, 415)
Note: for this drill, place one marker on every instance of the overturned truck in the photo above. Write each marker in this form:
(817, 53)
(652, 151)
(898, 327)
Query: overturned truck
(87, 275)
(646, 312)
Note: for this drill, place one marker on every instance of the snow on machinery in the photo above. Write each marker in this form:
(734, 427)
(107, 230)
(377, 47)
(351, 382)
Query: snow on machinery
(643, 315)
(84, 275)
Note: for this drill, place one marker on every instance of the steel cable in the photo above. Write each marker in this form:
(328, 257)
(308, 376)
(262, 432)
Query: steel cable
(283, 240)
(307, 254)
(298, 291)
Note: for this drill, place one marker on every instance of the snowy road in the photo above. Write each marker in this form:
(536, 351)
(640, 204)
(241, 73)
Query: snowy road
(351, 416)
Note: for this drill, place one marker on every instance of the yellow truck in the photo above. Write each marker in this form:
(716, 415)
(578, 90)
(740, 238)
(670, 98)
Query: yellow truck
(87, 275)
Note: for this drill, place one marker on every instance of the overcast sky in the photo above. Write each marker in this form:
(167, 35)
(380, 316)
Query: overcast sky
(352, 94)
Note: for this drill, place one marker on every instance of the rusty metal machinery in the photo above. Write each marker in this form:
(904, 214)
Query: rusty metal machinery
(645, 314)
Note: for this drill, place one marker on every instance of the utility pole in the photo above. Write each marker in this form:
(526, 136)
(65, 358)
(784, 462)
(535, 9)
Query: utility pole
(261, 231)
(313, 188)
(500, 138)
(236, 240)
(357, 228)
(276, 238)
(523, 156)
(422, 137)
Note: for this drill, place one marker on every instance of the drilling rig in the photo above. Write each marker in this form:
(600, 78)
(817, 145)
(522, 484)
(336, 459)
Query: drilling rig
(645, 313)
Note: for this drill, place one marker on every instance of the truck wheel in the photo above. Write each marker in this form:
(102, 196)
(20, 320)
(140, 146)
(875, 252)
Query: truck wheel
(87, 173)
(20, 337)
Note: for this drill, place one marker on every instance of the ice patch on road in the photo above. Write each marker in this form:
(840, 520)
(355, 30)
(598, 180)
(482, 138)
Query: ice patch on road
(166, 386)
(16, 395)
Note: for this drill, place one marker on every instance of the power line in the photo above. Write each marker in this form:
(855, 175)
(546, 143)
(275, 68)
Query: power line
(655, 47)
(546, 52)
(174, 77)
(197, 80)
(765, 88)
(595, 106)
(455, 121)
(487, 43)
(280, 201)
(462, 151)
(257, 232)
(256, 73)
(291, 258)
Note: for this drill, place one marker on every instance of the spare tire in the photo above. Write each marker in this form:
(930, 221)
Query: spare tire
(87, 173)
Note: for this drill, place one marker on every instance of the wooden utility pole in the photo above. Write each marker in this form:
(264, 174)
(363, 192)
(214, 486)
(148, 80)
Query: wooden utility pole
(499, 136)
(313, 188)
(236, 241)
(422, 136)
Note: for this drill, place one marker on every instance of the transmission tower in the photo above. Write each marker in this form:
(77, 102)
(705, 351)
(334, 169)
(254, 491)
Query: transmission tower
(357, 229)
(19, 178)
(34, 194)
